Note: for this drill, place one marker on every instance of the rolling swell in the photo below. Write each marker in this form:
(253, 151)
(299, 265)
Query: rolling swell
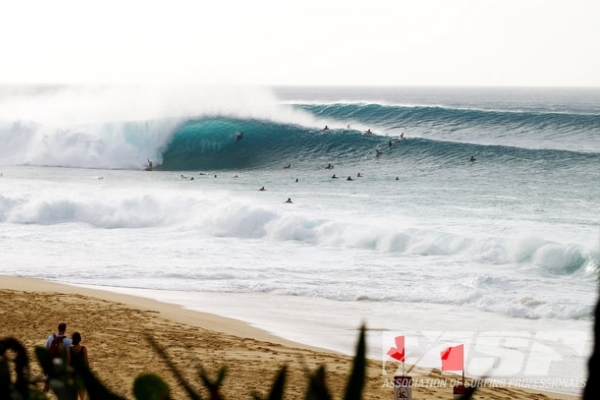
(524, 128)
(394, 114)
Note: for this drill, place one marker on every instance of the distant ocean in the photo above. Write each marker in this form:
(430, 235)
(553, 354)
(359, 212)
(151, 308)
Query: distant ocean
(513, 235)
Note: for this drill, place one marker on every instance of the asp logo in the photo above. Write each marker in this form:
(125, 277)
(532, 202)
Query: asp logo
(505, 354)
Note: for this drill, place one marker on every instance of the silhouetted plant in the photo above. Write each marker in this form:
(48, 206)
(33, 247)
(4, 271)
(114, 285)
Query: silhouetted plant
(317, 387)
(151, 387)
(60, 379)
(213, 386)
(192, 394)
(592, 387)
(19, 388)
(356, 380)
(276, 392)
(65, 385)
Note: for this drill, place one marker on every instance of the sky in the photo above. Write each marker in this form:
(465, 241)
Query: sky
(307, 42)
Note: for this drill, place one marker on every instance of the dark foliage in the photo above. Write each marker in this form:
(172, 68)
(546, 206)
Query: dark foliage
(65, 384)
(592, 387)
(19, 388)
(356, 381)
(317, 388)
(151, 387)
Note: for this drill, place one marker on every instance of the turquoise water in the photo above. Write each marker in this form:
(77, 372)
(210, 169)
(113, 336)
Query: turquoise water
(514, 233)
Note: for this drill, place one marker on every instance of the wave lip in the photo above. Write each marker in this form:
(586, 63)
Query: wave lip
(190, 128)
(117, 126)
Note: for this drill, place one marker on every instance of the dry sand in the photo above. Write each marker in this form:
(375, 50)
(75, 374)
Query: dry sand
(113, 328)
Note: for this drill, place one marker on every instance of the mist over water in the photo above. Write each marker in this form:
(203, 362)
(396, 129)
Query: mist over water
(117, 126)
(514, 233)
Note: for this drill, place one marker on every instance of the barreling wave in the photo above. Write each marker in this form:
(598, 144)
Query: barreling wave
(120, 128)
(117, 127)
(212, 144)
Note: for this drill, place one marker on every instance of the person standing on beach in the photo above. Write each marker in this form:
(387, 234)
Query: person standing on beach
(78, 352)
(55, 343)
(62, 329)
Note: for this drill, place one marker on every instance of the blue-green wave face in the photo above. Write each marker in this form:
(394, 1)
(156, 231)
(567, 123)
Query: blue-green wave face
(275, 133)
(438, 137)
(212, 143)
(395, 116)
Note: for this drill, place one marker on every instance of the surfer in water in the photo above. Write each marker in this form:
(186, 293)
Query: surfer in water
(239, 136)
(368, 132)
(472, 159)
(288, 166)
(289, 200)
(149, 167)
(326, 128)
(262, 189)
(329, 166)
(377, 153)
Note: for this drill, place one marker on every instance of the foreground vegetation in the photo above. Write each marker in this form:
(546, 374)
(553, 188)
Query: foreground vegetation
(16, 382)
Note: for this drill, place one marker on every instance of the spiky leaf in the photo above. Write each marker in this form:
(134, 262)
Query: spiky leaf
(317, 387)
(356, 381)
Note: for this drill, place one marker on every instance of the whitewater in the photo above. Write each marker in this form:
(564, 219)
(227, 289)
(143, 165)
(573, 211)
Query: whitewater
(500, 253)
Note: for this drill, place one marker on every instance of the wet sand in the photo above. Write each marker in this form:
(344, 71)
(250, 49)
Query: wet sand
(113, 328)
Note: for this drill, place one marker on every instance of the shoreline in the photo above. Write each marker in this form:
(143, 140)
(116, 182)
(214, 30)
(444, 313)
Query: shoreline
(173, 312)
(173, 317)
(333, 325)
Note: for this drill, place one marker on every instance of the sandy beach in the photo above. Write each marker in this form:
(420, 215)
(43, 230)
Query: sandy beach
(113, 327)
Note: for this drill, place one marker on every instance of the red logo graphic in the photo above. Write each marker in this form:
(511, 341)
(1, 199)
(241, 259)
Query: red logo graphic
(397, 353)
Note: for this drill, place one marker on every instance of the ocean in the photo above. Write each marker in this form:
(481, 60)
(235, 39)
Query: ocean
(467, 215)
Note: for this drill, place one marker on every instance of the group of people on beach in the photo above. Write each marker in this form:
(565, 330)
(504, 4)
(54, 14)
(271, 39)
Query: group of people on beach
(71, 348)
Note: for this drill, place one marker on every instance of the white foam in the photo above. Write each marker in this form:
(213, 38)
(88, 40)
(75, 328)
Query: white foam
(522, 348)
(120, 126)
